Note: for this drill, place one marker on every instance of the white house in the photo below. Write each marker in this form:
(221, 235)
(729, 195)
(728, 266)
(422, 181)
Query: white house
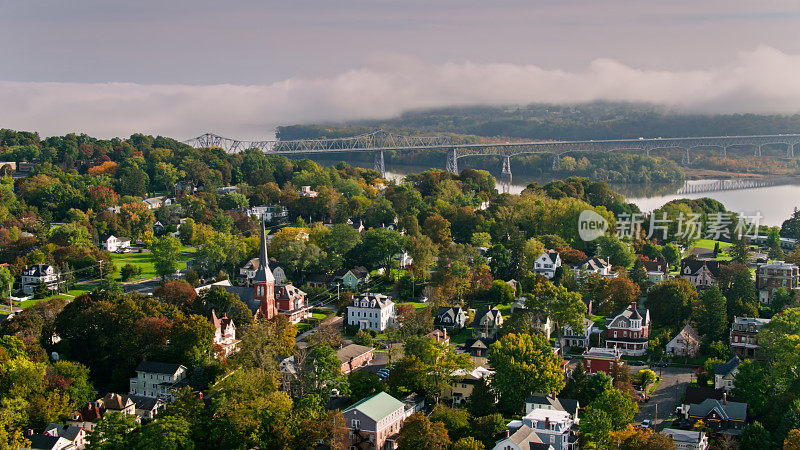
(725, 373)
(547, 263)
(685, 343)
(268, 213)
(577, 338)
(74, 434)
(306, 191)
(224, 334)
(157, 202)
(552, 426)
(157, 379)
(595, 265)
(116, 244)
(39, 273)
(371, 311)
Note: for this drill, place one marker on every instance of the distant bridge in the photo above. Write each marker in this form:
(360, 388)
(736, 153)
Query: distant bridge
(379, 141)
(732, 185)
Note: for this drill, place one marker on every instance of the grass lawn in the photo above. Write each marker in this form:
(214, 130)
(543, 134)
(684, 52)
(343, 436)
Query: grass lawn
(318, 316)
(708, 244)
(80, 288)
(145, 261)
(505, 310)
(416, 305)
(461, 337)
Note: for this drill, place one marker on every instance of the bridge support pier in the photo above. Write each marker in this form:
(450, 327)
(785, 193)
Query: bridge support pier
(758, 151)
(556, 163)
(506, 172)
(452, 161)
(790, 150)
(685, 159)
(724, 151)
(378, 164)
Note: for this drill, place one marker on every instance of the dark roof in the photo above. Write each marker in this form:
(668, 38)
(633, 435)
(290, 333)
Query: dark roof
(478, 343)
(69, 432)
(246, 294)
(42, 441)
(657, 266)
(446, 311)
(726, 410)
(145, 403)
(552, 255)
(158, 367)
(480, 313)
(695, 265)
(561, 404)
(727, 367)
(36, 270)
(696, 395)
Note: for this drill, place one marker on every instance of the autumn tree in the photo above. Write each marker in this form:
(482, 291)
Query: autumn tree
(618, 294)
(419, 432)
(671, 302)
(637, 438)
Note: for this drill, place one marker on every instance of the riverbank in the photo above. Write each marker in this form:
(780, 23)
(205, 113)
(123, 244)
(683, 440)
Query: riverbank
(711, 174)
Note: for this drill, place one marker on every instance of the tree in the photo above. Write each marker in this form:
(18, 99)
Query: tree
(754, 436)
(576, 384)
(618, 294)
(408, 375)
(130, 271)
(638, 273)
(364, 384)
(523, 364)
(618, 405)
(166, 252)
(112, 432)
(637, 438)
(500, 262)
(486, 428)
(501, 293)
(483, 400)
(792, 441)
(711, 315)
(672, 254)
(596, 425)
(178, 293)
(750, 385)
(617, 251)
(646, 378)
(378, 247)
(420, 433)
(455, 420)
(6, 281)
(170, 433)
(739, 251)
(438, 229)
(563, 307)
(671, 302)
(468, 443)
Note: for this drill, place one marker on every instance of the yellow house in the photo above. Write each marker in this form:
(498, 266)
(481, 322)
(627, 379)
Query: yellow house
(462, 382)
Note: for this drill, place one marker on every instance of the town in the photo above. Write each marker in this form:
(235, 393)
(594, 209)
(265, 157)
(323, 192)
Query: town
(157, 295)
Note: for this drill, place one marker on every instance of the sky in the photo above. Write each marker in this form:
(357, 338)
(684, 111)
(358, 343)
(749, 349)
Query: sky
(240, 68)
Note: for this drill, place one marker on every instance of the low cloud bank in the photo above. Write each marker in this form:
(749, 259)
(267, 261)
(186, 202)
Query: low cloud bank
(763, 81)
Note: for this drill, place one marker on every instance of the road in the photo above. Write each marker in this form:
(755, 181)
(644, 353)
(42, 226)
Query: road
(666, 396)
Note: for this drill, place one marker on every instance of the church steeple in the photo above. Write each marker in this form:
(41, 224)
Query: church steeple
(263, 273)
(264, 281)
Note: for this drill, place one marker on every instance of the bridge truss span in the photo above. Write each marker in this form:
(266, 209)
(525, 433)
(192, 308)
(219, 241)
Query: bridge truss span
(379, 141)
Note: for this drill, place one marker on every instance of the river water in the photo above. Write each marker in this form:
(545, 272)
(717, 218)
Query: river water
(774, 203)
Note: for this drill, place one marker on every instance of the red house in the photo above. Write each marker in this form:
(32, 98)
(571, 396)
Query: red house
(629, 331)
(354, 356)
(601, 359)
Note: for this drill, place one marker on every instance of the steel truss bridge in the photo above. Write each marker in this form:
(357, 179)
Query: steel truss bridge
(379, 141)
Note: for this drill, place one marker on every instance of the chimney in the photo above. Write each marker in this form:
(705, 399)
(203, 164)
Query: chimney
(508, 433)
(546, 423)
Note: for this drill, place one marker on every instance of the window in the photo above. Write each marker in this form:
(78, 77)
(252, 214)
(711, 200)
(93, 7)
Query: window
(355, 423)
(552, 439)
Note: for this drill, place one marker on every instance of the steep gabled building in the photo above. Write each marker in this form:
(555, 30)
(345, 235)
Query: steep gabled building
(629, 331)
(702, 273)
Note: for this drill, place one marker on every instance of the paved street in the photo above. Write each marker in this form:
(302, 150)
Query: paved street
(666, 396)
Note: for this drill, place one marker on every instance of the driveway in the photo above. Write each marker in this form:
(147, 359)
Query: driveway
(665, 398)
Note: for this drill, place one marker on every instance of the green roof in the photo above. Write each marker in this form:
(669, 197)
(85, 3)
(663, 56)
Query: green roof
(378, 406)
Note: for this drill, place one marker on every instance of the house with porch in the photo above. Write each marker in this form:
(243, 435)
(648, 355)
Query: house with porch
(629, 331)
(487, 323)
(374, 422)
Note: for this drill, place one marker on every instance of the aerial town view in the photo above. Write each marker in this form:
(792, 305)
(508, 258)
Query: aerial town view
(413, 225)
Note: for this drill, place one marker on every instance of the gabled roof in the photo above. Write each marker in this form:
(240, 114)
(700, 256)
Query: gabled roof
(68, 432)
(594, 263)
(42, 441)
(36, 270)
(726, 410)
(159, 367)
(451, 312)
(377, 407)
(378, 301)
(631, 313)
(145, 403)
(561, 404)
(491, 314)
(688, 333)
(655, 266)
(550, 255)
(695, 265)
(525, 436)
(726, 368)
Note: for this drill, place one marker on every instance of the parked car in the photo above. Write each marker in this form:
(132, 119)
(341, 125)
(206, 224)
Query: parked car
(423, 299)
(646, 423)
(636, 363)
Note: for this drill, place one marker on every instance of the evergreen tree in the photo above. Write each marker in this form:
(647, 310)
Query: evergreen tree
(739, 251)
(483, 400)
(712, 314)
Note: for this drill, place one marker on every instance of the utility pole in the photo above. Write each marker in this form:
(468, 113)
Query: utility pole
(655, 419)
(101, 269)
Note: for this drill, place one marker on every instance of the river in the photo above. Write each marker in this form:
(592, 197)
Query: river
(774, 203)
